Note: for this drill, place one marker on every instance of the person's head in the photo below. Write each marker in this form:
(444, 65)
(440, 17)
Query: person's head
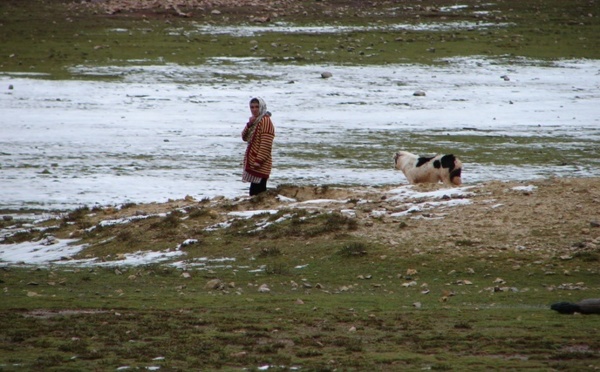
(258, 106)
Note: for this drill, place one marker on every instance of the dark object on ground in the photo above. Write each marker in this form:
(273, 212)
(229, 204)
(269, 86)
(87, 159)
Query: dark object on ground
(589, 306)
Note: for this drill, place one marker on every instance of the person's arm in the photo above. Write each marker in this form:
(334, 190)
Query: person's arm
(246, 128)
(265, 137)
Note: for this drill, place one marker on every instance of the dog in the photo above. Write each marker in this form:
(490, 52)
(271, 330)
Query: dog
(416, 169)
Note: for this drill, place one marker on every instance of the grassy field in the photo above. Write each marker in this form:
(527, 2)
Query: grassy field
(315, 289)
(51, 36)
(343, 294)
(94, 319)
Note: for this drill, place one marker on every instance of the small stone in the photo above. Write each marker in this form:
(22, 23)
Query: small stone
(299, 302)
(7, 218)
(186, 275)
(326, 75)
(214, 284)
(264, 289)
(352, 329)
(417, 305)
(419, 93)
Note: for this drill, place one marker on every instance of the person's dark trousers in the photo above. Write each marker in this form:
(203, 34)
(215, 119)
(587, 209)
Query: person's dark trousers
(257, 188)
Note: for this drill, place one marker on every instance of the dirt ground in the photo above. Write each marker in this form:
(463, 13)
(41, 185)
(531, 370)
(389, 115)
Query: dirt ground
(554, 217)
(265, 11)
(558, 216)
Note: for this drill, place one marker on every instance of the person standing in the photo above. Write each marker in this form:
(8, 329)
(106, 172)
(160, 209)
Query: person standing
(259, 133)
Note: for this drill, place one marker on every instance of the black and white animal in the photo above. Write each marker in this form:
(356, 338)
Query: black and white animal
(418, 169)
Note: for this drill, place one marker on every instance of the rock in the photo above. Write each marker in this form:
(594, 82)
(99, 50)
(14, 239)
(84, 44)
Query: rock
(49, 240)
(261, 19)
(326, 75)
(186, 275)
(7, 218)
(213, 284)
(419, 93)
(264, 289)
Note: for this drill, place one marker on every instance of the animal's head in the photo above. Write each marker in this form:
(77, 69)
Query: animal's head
(401, 158)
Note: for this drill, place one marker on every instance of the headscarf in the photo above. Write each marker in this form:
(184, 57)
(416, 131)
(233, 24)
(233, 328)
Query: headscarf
(262, 111)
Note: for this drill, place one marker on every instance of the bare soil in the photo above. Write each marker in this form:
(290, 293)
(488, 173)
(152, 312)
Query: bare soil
(559, 216)
(546, 218)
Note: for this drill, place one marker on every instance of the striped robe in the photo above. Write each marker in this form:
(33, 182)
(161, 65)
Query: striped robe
(259, 149)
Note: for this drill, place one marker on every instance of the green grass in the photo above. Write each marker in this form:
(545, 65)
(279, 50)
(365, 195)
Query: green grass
(478, 148)
(335, 300)
(49, 37)
(110, 320)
